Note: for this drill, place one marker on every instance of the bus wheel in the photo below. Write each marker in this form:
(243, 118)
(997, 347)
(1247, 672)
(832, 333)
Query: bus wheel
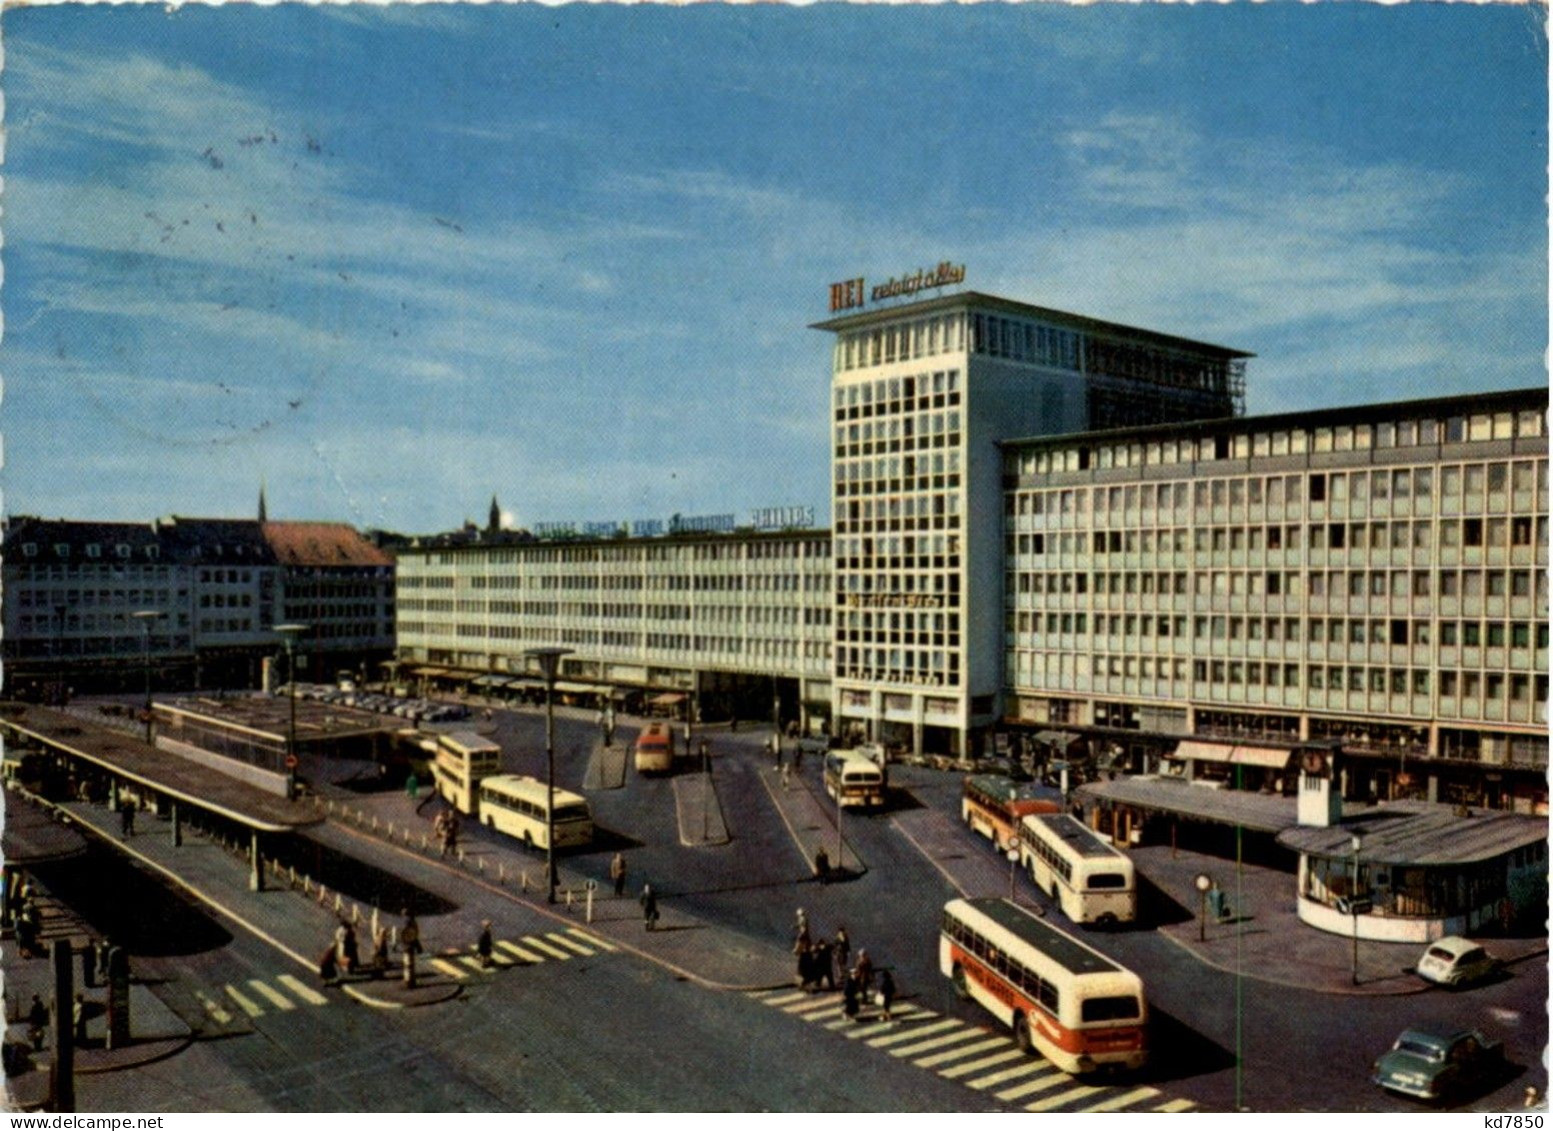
(1022, 1034)
(1054, 894)
(957, 978)
(528, 841)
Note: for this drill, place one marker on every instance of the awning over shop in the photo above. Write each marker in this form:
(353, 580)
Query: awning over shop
(1271, 757)
(1059, 738)
(489, 681)
(428, 670)
(576, 688)
(667, 700)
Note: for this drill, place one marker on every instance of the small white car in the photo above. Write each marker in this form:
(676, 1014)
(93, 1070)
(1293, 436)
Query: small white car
(1454, 961)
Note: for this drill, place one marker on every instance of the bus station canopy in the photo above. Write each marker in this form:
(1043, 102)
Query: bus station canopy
(668, 699)
(1421, 834)
(178, 779)
(1260, 812)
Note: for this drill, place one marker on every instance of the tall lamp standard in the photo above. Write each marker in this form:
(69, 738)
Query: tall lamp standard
(549, 662)
(1354, 904)
(289, 633)
(145, 617)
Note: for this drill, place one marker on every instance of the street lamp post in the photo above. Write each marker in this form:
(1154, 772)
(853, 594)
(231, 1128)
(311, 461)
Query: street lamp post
(289, 633)
(1353, 904)
(145, 617)
(1012, 848)
(1203, 883)
(549, 661)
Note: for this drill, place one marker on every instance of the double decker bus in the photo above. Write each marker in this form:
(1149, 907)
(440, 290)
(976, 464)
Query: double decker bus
(462, 759)
(655, 749)
(1081, 1010)
(517, 805)
(993, 805)
(1089, 879)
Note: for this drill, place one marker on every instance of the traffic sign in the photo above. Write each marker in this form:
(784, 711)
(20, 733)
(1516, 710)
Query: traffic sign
(291, 761)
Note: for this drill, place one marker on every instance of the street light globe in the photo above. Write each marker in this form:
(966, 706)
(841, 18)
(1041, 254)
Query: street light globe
(1203, 881)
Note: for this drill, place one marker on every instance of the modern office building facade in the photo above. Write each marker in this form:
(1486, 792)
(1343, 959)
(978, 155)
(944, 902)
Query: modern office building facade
(1374, 575)
(921, 394)
(725, 620)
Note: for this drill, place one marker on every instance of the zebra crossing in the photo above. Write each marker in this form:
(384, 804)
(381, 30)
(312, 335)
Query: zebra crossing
(972, 1055)
(529, 950)
(257, 997)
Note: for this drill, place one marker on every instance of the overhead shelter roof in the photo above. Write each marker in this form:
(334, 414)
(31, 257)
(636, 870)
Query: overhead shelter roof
(1421, 834)
(1260, 812)
(179, 779)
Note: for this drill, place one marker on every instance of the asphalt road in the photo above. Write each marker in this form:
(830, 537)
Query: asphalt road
(619, 1033)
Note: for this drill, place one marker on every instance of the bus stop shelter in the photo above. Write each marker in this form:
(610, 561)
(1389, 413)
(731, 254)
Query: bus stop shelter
(93, 755)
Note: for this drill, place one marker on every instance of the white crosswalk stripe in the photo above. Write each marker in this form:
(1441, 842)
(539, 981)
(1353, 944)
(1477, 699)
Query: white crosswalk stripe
(962, 1035)
(959, 1070)
(963, 1051)
(1125, 1099)
(275, 997)
(562, 940)
(513, 948)
(1082, 1092)
(302, 990)
(913, 1033)
(1025, 1069)
(592, 940)
(245, 1003)
(221, 1016)
(545, 948)
(1052, 1079)
(446, 967)
(980, 1057)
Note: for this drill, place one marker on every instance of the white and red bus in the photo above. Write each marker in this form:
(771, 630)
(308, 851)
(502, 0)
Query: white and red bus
(1081, 1010)
(993, 805)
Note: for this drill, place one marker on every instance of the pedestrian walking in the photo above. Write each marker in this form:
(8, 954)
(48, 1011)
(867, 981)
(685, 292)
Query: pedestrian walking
(822, 865)
(786, 777)
(410, 945)
(380, 951)
(843, 952)
(37, 1023)
(329, 966)
(886, 993)
(800, 931)
(850, 996)
(649, 902)
(126, 819)
(78, 1020)
(798, 756)
(806, 977)
(350, 955)
(824, 972)
(483, 945)
(865, 970)
(776, 753)
(617, 872)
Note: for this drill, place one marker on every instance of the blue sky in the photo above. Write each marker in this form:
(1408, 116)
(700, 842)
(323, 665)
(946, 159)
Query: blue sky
(393, 260)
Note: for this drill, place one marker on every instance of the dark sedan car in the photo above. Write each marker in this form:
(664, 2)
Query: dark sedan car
(1436, 1062)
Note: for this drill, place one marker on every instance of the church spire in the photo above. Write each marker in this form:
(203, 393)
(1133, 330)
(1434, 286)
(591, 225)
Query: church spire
(263, 510)
(494, 523)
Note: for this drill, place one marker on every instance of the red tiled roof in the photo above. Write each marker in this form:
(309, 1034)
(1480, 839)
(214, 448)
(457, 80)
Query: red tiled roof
(322, 544)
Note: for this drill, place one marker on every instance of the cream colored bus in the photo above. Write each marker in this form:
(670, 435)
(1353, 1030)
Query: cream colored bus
(516, 805)
(463, 758)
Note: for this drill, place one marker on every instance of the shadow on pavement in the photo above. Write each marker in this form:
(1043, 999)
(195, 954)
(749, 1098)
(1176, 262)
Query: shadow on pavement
(120, 902)
(1178, 1051)
(358, 880)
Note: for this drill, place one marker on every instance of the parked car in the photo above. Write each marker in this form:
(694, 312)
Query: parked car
(1439, 1062)
(1454, 961)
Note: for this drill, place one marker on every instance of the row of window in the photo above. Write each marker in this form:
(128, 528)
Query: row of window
(734, 549)
(1472, 486)
(1504, 425)
(1471, 584)
(1034, 668)
(1392, 631)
